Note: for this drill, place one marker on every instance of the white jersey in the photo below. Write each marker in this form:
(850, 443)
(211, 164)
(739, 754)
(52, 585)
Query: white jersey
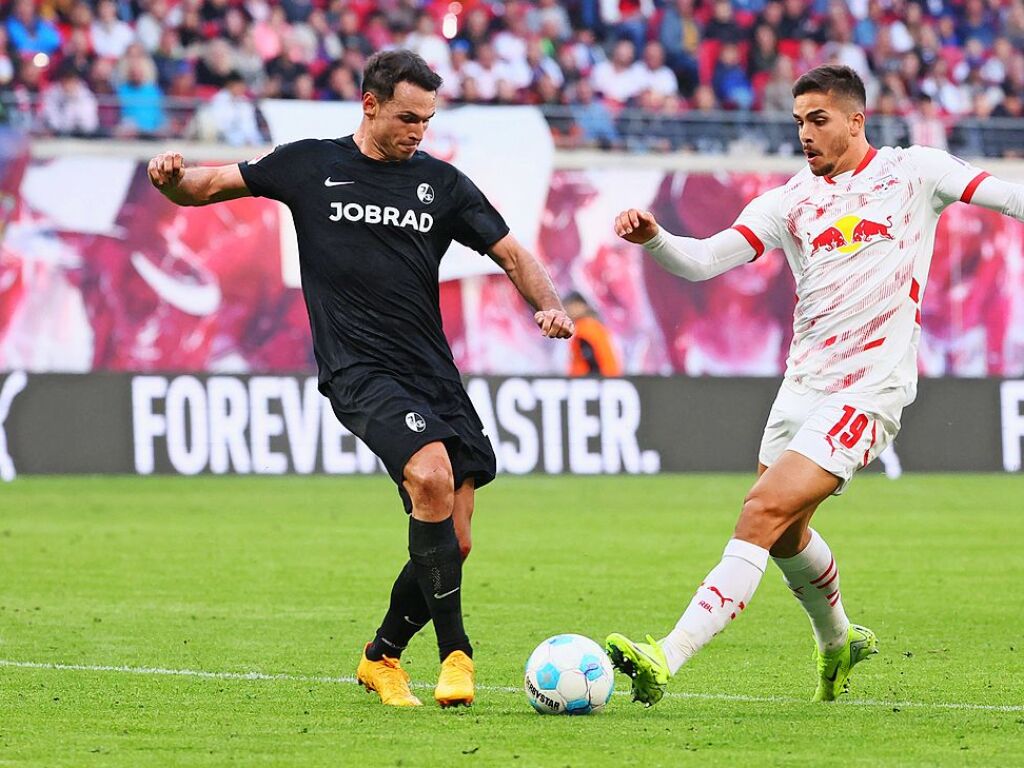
(860, 246)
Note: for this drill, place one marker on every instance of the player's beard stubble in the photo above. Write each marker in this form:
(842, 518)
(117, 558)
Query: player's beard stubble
(835, 151)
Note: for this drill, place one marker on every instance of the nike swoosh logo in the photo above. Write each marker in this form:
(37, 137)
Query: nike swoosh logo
(835, 673)
(329, 182)
(446, 594)
(191, 298)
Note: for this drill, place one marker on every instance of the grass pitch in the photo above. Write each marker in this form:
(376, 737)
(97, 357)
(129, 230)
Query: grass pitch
(115, 594)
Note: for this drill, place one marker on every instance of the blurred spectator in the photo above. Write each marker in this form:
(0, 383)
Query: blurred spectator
(297, 11)
(269, 34)
(152, 24)
(1012, 106)
(69, 108)
(778, 93)
(764, 52)
(486, 72)
(77, 53)
(350, 36)
(887, 125)
(732, 87)
(141, 100)
(1013, 24)
(6, 64)
(926, 125)
(951, 98)
(216, 65)
(476, 30)
(425, 41)
(622, 78)
(595, 121)
(657, 77)
(249, 63)
(230, 116)
(723, 25)
(680, 35)
(169, 58)
(796, 22)
(627, 19)
(977, 24)
(550, 20)
(29, 32)
(591, 350)
(110, 36)
(541, 65)
(340, 84)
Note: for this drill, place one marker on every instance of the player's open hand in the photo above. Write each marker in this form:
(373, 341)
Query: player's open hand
(555, 324)
(166, 169)
(635, 225)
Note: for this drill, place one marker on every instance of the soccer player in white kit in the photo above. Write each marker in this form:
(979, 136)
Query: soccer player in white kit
(857, 226)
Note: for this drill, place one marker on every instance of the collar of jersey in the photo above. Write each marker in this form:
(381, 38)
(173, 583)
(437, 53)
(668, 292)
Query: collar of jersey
(868, 157)
(350, 142)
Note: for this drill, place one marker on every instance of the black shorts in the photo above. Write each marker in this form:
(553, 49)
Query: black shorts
(396, 417)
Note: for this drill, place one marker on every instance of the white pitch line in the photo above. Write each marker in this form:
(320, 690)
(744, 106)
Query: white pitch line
(202, 674)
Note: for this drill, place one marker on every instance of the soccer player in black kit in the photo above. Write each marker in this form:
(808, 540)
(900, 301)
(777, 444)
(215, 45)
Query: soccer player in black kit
(374, 215)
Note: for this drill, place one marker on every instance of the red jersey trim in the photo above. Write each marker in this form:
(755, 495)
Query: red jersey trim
(868, 157)
(752, 239)
(973, 186)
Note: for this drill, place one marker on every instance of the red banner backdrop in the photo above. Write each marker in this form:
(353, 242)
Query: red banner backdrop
(154, 287)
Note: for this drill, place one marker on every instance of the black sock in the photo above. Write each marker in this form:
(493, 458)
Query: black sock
(437, 563)
(407, 615)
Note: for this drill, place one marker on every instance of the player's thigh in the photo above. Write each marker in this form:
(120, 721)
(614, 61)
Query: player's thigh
(471, 452)
(846, 432)
(788, 413)
(393, 417)
(781, 498)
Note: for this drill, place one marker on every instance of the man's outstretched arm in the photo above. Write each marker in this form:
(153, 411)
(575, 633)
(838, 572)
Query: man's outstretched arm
(997, 195)
(689, 257)
(195, 186)
(533, 283)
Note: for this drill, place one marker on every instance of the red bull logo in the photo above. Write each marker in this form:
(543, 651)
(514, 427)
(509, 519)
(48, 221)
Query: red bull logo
(849, 234)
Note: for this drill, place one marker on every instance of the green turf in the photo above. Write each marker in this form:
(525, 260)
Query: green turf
(291, 575)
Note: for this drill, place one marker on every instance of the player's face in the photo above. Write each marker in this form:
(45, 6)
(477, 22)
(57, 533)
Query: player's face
(826, 128)
(400, 122)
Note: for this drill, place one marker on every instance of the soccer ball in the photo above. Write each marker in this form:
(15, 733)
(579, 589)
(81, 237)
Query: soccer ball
(568, 675)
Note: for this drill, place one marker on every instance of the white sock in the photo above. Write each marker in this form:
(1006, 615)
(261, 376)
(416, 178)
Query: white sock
(813, 575)
(723, 594)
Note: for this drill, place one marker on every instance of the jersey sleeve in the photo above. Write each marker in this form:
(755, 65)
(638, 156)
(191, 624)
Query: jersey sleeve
(761, 222)
(279, 173)
(948, 179)
(478, 225)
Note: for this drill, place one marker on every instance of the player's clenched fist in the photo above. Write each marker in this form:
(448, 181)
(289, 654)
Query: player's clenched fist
(166, 169)
(635, 225)
(555, 324)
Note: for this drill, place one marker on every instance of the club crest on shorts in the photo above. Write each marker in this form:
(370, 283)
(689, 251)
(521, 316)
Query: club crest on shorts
(425, 193)
(415, 422)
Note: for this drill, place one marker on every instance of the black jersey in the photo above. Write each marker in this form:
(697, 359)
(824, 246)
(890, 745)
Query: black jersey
(371, 236)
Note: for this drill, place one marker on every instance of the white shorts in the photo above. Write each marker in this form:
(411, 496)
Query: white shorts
(840, 432)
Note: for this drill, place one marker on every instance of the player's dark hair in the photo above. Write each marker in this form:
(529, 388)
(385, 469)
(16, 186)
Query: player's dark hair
(386, 69)
(839, 81)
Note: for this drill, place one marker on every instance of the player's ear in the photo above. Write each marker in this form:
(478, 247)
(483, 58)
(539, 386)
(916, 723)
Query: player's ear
(856, 123)
(370, 104)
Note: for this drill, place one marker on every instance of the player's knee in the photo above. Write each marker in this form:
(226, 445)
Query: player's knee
(763, 519)
(430, 484)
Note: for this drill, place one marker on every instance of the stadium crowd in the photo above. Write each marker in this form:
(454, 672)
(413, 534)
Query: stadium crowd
(124, 67)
